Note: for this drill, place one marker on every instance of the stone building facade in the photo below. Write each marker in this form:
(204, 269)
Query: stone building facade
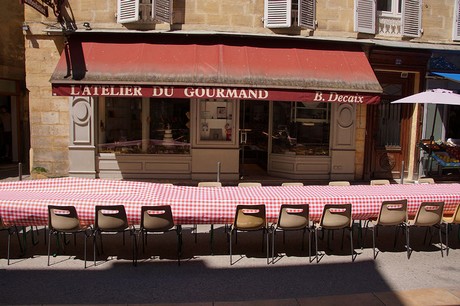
(69, 131)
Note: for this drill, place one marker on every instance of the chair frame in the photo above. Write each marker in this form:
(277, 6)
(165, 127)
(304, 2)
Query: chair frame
(292, 184)
(119, 213)
(392, 213)
(427, 217)
(330, 211)
(426, 180)
(56, 226)
(250, 214)
(11, 230)
(249, 184)
(212, 184)
(455, 219)
(297, 218)
(379, 182)
(161, 222)
(339, 183)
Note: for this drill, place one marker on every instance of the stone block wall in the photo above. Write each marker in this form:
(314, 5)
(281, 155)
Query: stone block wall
(11, 41)
(49, 116)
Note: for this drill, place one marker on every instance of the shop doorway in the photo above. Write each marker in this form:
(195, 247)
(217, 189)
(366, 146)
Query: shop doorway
(253, 130)
(389, 128)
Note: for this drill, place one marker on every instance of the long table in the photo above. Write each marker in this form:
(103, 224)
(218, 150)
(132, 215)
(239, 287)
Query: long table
(24, 203)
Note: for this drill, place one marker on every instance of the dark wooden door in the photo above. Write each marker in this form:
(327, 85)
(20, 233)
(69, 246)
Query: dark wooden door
(389, 127)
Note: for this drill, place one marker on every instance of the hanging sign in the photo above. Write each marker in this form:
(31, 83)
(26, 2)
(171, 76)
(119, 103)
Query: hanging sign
(38, 6)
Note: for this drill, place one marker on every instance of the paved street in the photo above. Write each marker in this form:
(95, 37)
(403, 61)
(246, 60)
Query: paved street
(205, 279)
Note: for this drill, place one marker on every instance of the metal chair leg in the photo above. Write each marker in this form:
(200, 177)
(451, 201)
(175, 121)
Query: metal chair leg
(352, 248)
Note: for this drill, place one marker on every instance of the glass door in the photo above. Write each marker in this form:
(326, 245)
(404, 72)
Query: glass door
(253, 138)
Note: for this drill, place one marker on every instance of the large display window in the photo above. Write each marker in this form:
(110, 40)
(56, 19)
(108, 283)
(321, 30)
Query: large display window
(216, 121)
(145, 126)
(301, 128)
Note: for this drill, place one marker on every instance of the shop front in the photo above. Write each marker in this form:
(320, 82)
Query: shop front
(440, 143)
(197, 107)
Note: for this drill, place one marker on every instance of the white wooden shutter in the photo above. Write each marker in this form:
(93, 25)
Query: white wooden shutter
(365, 16)
(277, 13)
(456, 29)
(162, 10)
(128, 11)
(307, 14)
(411, 20)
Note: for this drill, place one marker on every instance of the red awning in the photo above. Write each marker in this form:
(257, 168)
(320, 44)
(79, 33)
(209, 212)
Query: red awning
(256, 71)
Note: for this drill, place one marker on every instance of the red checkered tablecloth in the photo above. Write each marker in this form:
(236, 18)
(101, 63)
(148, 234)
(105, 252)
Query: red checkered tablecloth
(24, 203)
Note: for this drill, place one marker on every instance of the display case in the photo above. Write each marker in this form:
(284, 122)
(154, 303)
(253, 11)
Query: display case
(301, 128)
(446, 154)
(310, 112)
(215, 121)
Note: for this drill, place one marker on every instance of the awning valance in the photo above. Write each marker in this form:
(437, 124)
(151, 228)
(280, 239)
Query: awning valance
(449, 75)
(214, 70)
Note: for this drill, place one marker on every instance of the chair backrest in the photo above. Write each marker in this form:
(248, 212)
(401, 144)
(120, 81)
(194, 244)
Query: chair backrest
(426, 180)
(250, 217)
(111, 218)
(157, 218)
(209, 184)
(63, 218)
(293, 216)
(456, 216)
(380, 182)
(339, 183)
(336, 216)
(429, 214)
(292, 184)
(249, 184)
(393, 212)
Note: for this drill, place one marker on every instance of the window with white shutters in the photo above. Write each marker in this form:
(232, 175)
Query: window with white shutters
(307, 14)
(128, 11)
(365, 16)
(162, 10)
(284, 13)
(277, 13)
(456, 29)
(145, 11)
(411, 18)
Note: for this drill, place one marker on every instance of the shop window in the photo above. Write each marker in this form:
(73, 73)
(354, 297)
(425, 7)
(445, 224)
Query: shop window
(287, 13)
(155, 126)
(144, 11)
(389, 17)
(301, 128)
(453, 125)
(216, 121)
(169, 126)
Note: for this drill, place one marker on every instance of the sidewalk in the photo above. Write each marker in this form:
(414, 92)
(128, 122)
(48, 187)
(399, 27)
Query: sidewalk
(204, 279)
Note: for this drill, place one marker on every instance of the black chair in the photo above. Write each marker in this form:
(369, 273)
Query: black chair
(113, 219)
(64, 220)
(159, 219)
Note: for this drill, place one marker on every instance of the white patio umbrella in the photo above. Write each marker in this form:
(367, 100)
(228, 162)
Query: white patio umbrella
(432, 96)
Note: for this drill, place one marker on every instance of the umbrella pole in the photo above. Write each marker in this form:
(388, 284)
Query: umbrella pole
(430, 151)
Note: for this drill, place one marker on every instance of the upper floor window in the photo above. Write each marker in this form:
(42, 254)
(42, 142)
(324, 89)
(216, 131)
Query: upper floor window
(389, 17)
(456, 30)
(286, 13)
(144, 10)
(389, 7)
